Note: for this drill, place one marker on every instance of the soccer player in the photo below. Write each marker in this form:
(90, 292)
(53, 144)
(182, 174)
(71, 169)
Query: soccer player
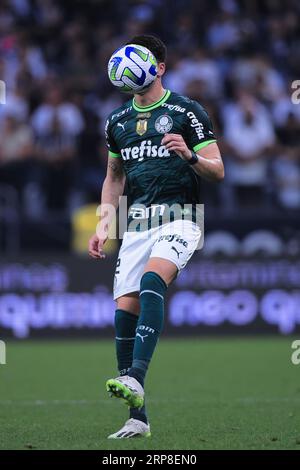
(161, 144)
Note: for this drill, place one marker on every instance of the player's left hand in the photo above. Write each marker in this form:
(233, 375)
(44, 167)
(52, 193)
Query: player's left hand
(176, 143)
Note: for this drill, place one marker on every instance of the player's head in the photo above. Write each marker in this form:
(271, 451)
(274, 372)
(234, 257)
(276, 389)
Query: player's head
(156, 46)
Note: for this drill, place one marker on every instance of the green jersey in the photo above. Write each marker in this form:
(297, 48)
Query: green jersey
(155, 175)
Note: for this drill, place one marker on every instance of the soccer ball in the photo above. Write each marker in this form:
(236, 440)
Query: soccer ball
(132, 68)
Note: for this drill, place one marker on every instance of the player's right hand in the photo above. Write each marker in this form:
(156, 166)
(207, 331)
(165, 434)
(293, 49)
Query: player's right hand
(96, 246)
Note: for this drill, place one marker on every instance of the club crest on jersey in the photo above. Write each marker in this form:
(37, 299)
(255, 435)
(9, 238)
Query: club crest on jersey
(163, 124)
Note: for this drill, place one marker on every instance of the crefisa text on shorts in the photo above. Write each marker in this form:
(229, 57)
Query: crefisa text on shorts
(151, 459)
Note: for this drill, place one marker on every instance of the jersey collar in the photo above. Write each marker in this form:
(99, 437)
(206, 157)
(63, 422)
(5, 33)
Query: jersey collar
(158, 103)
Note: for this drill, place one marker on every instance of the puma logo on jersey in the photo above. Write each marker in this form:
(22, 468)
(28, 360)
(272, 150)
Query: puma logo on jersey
(119, 124)
(178, 253)
(142, 336)
(145, 149)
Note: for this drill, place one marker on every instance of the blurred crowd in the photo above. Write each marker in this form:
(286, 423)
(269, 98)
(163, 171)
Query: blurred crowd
(237, 57)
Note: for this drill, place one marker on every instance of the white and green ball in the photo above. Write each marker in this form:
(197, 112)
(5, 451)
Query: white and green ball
(132, 68)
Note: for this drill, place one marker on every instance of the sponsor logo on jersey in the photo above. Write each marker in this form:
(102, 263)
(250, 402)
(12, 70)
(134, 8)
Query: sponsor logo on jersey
(139, 212)
(143, 116)
(121, 113)
(198, 126)
(106, 133)
(173, 107)
(145, 149)
(163, 124)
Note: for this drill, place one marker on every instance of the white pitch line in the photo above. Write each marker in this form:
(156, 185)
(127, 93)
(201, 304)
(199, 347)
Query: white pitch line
(106, 401)
(254, 400)
(242, 400)
(50, 402)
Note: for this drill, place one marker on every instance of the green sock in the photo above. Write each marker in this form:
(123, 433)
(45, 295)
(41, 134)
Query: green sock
(150, 323)
(125, 325)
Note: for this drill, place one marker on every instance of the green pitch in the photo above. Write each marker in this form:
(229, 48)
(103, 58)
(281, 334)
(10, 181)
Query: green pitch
(201, 394)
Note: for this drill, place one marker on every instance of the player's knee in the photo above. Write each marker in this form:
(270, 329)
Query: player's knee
(164, 268)
(130, 304)
(151, 281)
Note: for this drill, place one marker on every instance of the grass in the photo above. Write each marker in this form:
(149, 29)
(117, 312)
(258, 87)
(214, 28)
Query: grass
(201, 394)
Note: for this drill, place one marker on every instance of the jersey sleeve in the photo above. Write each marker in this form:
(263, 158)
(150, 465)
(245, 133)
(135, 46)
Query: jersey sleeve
(113, 150)
(199, 129)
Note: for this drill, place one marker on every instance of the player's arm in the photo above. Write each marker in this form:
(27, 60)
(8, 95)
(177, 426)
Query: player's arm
(207, 163)
(210, 164)
(197, 143)
(112, 189)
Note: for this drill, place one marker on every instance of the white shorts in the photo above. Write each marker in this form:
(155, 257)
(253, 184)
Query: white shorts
(175, 241)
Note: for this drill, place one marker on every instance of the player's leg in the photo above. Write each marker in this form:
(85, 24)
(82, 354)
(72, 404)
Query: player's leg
(129, 270)
(175, 245)
(164, 268)
(167, 256)
(158, 274)
(126, 318)
(129, 302)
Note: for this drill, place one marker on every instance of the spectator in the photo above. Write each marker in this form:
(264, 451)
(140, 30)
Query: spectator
(249, 136)
(224, 32)
(47, 46)
(287, 166)
(57, 125)
(199, 68)
(16, 148)
(257, 73)
(56, 109)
